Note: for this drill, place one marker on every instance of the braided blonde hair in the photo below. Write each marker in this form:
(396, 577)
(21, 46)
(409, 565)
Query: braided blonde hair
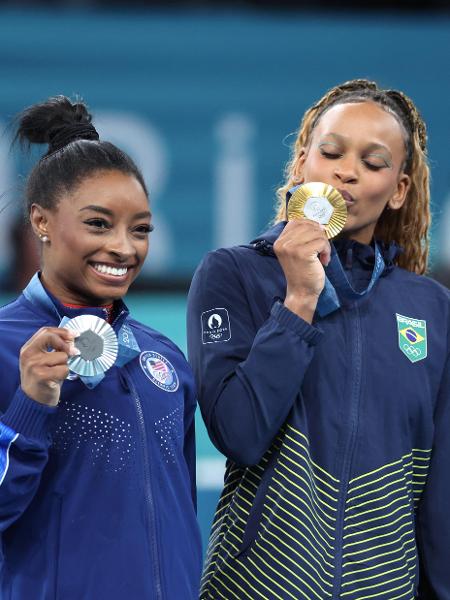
(408, 226)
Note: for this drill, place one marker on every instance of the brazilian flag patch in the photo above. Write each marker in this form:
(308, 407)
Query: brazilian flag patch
(412, 337)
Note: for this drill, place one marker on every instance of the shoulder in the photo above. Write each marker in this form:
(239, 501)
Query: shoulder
(228, 257)
(21, 309)
(234, 263)
(428, 289)
(12, 309)
(151, 339)
(18, 321)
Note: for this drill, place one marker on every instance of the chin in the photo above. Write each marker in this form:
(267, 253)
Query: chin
(115, 294)
(105, 295)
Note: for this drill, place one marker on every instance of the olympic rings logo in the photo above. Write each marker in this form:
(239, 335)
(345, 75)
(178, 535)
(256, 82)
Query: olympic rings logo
(410, 351)
(215, 336)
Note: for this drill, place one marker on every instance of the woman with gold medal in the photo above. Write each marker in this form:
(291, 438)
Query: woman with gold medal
(323, 371)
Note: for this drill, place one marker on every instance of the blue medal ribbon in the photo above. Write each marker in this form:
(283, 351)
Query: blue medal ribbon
(338, 286)
(128, 349)
(128, 346)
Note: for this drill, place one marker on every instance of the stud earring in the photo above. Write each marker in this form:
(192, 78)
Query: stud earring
(44, 238)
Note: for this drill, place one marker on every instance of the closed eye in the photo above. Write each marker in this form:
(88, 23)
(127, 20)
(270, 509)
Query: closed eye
(373, 167)
(370, 165)
(331, 155)
(375, 161)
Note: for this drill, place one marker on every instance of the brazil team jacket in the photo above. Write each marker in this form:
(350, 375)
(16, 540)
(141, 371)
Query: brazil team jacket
(97, 495)
(337, 434)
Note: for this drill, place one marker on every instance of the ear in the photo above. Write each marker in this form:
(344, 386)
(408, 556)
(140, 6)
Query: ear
(398, 199)
(298, 166)
(39, 221)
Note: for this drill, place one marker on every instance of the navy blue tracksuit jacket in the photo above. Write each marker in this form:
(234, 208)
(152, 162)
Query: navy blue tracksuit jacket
(97, 495)
(337, 434)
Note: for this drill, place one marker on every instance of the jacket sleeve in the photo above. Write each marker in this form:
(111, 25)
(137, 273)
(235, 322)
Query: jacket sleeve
(433, 520)
(249, 379)
(24, 444)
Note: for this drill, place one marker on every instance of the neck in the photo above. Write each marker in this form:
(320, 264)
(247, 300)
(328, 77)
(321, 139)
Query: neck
(361, 239)
(71, 299)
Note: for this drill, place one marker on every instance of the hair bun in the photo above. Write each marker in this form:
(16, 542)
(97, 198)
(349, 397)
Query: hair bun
(56, 122)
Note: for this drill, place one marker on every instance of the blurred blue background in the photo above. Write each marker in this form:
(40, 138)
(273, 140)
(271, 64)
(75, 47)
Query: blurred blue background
(206, 100)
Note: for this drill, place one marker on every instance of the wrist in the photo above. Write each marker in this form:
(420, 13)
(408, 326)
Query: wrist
(41, 398)
(303, 305)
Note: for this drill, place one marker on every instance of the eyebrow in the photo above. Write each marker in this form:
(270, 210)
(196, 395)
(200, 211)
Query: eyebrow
(372, 146)
(105, 211)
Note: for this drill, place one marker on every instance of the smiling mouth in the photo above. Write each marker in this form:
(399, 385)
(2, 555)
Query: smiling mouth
(104, 269)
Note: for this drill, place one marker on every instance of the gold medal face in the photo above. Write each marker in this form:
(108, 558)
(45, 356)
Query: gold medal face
(319, 202)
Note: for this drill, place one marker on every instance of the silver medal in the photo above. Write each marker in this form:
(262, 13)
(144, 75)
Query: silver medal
(97, 343)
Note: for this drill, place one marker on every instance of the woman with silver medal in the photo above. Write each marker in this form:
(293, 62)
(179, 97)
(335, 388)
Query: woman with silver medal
(329, 392)
(97, 454)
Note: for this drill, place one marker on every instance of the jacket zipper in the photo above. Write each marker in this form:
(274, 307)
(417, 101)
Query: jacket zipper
(349, 448)
(148, 489)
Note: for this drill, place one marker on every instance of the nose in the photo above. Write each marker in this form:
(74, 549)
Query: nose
(121, 246)
(346, 170)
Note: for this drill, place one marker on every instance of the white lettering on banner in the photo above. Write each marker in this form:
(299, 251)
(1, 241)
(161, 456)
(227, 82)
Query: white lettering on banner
(234, 181)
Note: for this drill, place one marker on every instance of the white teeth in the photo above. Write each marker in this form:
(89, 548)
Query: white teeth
(118, 271)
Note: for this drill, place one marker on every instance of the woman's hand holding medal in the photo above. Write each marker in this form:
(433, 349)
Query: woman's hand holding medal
(303, 250)
(42, 372)
(316, 213)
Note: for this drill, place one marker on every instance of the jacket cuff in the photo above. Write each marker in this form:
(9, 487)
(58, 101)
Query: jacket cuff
(28, 417)
(287, 318)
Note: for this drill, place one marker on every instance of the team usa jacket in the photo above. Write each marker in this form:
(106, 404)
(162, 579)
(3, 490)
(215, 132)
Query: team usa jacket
(337, 434)
(97, 495)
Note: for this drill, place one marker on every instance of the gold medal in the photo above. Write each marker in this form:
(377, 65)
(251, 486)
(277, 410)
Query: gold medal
(318, 202)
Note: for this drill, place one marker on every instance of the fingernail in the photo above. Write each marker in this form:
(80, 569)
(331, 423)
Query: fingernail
(74, 351)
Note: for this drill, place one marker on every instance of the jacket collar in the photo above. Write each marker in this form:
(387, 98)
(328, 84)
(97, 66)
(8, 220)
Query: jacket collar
(41, 298)
(270, 235)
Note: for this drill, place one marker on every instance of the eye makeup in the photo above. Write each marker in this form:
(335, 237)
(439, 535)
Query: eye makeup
(335, 150)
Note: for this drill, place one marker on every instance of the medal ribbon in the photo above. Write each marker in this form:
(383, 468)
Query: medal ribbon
(128, 349)
(338, 286)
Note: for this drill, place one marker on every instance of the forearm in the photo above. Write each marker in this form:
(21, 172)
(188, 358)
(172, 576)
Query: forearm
(24, 443)
(252, 401)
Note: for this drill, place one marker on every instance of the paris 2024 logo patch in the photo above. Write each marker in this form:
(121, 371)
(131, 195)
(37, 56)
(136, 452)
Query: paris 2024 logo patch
(412, 337)
(215, 326)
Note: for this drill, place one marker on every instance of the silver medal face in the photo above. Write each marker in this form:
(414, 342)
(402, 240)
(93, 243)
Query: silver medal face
(97, 343)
